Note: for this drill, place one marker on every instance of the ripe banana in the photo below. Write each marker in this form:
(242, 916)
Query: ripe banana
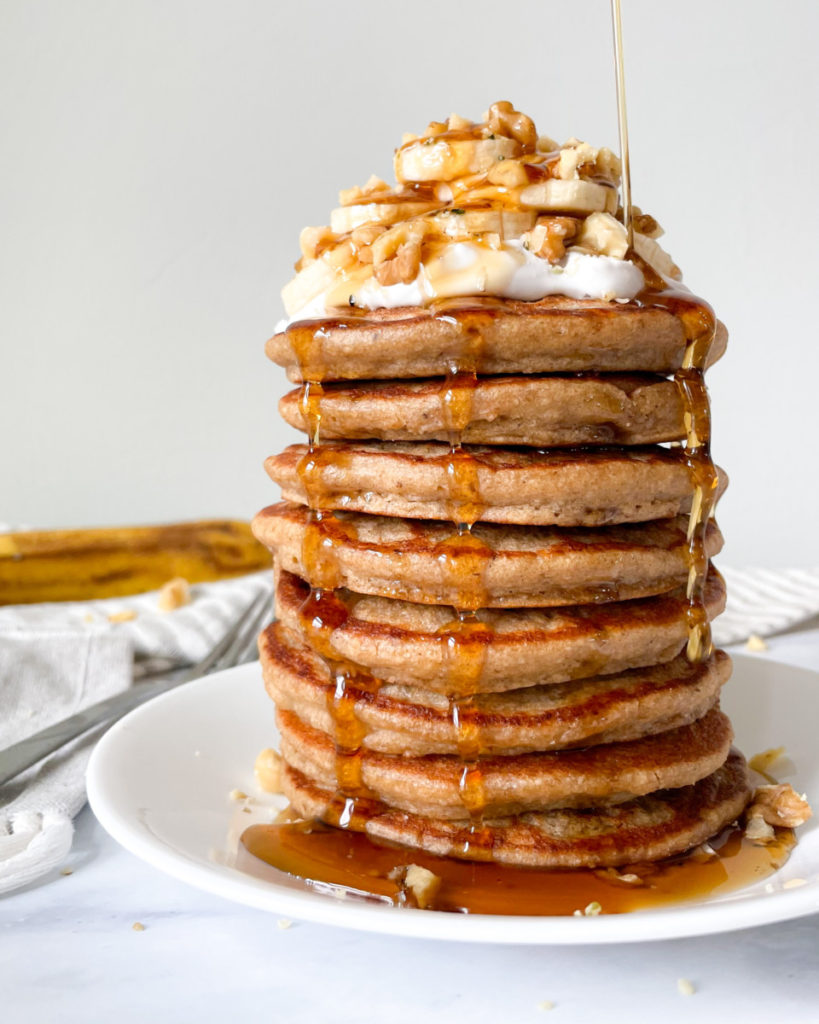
(347, 218)
(80, 565)
(317, 277)
(575, 196)
(655, 256)
(506, 223)
(441, 159)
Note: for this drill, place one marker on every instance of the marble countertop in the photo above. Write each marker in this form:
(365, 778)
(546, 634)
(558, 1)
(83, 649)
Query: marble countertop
(69, 953)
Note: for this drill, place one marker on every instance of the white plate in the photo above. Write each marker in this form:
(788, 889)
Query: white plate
(160, 782)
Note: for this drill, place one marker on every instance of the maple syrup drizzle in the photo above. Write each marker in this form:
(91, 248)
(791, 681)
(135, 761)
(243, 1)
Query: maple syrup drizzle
(699, 329)
(324, 533)
(464, 557)
(323, 856)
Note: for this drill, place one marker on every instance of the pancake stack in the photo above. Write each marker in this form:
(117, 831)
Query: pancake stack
(492, 558)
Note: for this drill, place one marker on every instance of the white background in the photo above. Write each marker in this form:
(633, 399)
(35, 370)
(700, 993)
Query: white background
(159, 159)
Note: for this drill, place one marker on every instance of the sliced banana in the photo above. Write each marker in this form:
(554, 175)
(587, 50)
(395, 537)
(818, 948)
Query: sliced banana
(577, 196)
(441, 159)
(655, 256)
(316, 277)
(506, 223)
(348, 218)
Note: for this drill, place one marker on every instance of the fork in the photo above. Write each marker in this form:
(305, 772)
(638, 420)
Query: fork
(232, 649)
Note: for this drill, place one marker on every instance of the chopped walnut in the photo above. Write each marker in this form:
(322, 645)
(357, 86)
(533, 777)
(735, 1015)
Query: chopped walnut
(603, 234)
(363, 238)
(758, 831)
(456, 123)
(436, 128)
(755, 644)
(593, 909)
(547, 237)
(174, 594)
(645, 223)
(423, 884)
(373, 185)
(269, 770)
(313, 241)
(503, 119)
(780, 805)
(607, 165)
(397, 253)
(573, 156)
(126, 615)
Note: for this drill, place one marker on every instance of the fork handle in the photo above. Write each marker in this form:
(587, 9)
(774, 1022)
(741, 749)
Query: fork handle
(25, 753)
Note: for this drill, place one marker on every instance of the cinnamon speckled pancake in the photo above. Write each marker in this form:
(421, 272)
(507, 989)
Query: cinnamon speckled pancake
(422, 645)
(494, 566)
(535, 410)
(403, 719)
(562, 487)
(552, 335)
(648, 828)
(514, 784)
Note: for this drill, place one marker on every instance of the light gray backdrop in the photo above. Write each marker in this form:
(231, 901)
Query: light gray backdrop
(159, 159)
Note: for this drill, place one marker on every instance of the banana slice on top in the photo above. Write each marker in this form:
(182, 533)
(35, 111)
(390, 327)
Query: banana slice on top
(574, 196)
(317, 277)
(506, 223)
(655, 256)
(442, 158)
(347, 218)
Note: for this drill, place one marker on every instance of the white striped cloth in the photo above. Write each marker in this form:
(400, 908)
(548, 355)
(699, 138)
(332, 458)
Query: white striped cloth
(766, 601)
(55, 660)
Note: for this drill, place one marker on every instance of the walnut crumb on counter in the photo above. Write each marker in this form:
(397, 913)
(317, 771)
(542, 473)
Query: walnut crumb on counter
(174, 594)
(685, 987)
(126, 615)
(755, 644)
(138, 926)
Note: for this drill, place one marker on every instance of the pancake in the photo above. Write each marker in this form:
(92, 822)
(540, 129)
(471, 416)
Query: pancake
(493, 566)
(561, 487)
(649, 828)
(413, 644)
(515, 784)
(540, 411)
(401, 719)
(552, 335)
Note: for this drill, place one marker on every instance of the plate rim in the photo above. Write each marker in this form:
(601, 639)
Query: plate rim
(677, 921)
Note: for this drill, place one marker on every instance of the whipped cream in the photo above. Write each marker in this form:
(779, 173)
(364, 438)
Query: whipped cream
(467, 268)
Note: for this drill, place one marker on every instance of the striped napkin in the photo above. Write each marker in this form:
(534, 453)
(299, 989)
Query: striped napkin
(767, 601)
(55, 660)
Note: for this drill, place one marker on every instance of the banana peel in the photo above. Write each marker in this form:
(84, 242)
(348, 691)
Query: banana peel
(81, 565)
